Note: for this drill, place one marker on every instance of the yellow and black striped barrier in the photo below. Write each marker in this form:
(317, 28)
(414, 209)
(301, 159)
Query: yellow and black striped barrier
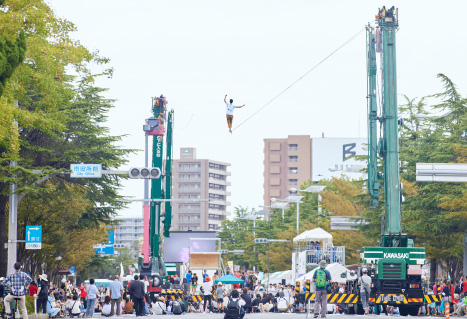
(308, 290)
(335, 298)
(432, 298)
(196, 298)
(170, 293)
(338, 298)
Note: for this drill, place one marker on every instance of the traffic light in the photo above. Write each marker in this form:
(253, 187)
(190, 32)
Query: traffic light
(261, 240)
(144, 172)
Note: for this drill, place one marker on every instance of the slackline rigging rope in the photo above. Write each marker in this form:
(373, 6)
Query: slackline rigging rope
(300, 78)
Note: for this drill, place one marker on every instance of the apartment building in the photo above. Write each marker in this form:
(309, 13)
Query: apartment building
(287, 165)
(291, 161)
(129, 234)
(201, 179)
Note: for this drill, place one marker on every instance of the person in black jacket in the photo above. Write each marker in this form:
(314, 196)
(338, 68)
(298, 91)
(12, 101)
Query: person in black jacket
(246, 297)
(137, 293)
(42, 293)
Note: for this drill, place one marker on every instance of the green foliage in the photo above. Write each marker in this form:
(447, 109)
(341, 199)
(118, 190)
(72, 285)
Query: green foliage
(105, 267)
(433, 213)
(49, 120)
(11, 55)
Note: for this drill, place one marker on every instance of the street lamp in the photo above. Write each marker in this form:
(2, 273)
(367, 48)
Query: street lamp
(272, 200)
(295, 199)
(315, 189)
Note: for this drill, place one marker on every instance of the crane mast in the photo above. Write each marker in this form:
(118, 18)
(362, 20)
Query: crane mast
(395, 265)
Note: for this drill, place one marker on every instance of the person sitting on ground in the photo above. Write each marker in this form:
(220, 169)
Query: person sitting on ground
(75, 308)
(282, 304)
(177, 306)
(52, 308)
(106, 308)
(256, 303)
(159, 307)
(128, 309)
(235, 306)
(246, 297)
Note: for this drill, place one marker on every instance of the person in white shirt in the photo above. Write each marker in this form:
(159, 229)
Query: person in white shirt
(75, 306)
(106, 309)
(207, 292)
(282, 303)
(159, 307)
(230, 109)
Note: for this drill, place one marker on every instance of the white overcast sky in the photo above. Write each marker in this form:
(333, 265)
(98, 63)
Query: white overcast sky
(195, 52)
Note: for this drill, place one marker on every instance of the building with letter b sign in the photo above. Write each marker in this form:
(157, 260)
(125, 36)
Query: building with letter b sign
(33, 237)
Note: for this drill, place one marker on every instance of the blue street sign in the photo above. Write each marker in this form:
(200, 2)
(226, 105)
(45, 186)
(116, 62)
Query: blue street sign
(33, 237)
(86, 170)
(108, 248)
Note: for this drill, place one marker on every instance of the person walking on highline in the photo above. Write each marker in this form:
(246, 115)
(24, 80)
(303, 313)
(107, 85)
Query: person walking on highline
(321, 278)
(230, 109)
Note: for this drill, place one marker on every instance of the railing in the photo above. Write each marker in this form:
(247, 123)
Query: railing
(189, 169)
(336, 255)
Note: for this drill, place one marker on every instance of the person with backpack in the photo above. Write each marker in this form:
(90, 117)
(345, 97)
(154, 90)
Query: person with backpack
(235, 305)
(321, 279)
(365, 290)
(177, 306)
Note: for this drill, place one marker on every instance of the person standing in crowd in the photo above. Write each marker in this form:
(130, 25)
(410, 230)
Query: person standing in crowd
(137, 294)
(205, 274)
(91, 295)
(32, 289)
(188, 277)
(17, 281)
(220, 296)
(83, 294)
(207, 292)
(194, 283)
(42, 293)
(116, 292)
(2, 290)
(321, 279)
(365, 290)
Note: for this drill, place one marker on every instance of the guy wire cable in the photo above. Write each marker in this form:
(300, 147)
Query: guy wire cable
(300, 78)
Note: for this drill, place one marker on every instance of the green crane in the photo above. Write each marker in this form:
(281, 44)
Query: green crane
(153, 264)
(395, 265)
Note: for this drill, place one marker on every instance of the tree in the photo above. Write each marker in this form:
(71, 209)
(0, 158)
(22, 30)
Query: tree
(431, 212)
(60, 120)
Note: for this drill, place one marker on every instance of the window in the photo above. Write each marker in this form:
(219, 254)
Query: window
(293, 170)
(187, 208)
(293, 192)
(293, 181)
(213, 227)
(293, 158)
(216, 197)
(216, 177)
(215, 217)
(217, 166)
(216, 186)
(293, 147)
(216, 207)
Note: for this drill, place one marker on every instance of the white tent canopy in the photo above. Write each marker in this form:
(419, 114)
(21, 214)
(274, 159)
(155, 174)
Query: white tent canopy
(317, 234)
(335, 270)
(276, 277)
